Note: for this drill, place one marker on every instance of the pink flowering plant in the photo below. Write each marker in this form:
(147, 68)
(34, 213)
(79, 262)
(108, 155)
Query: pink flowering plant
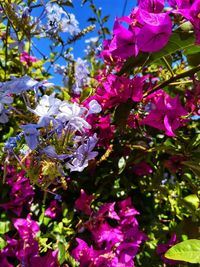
(100, 153)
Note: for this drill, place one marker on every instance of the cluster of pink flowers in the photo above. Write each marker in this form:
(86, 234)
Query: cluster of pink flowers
(149, 28)
(114, 231)
(21, 192)
(25, 249)
(27, 59)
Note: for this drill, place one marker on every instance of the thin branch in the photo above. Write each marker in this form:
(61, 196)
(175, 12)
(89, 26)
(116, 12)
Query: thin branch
(173, 79)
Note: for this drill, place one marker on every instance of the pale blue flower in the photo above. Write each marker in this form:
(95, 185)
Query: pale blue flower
(22, 84)
(12, 142)
(51, 152)
(70, 24)
(4, 100)
(81, 75)
(94, 107)
(83, 154)
(31, 135)
(3, 114)
(47, 108)
(59, 20)
(74, 115)
(18, 85)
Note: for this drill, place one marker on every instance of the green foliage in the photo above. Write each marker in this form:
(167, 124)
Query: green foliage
(188, 250)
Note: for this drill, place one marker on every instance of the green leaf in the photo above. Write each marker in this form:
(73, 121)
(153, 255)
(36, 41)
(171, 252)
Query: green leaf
(121, 114)
(121, 164)
(5, 227)
(105, 19)
(133, 62)
(193, 59)
(192, 200)
(71, 260)
(61, 253)
(105, 30)
(188, 251)
(2, 243)
(92, 20)
(178, 41)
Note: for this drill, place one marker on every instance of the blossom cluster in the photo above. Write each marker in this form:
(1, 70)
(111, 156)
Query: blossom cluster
(114, 231)
(123, 127)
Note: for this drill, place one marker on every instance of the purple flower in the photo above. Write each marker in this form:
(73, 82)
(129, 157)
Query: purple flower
(31, 135)
(49, 260)
(165, 114)
(5, 100)
(18, 85)
(21, 193)
(94, 107)
(26, 228)
(162, 248)
(59, 20)
(83, 154)
(156, 31)
(84, 254)
(51, 153)
(74, 115)
(53, 210)
(123, 44)
(152, 6)
(81, 75)
(83, 203)
(47, 108)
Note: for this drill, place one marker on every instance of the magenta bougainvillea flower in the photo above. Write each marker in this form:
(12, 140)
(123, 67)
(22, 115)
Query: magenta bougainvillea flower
(136, 87)
(142, 168)
(50, 259)
(155, 32)
(123, 43)
(21, 193)
(165, 113)
(53, 210)
(180, 4)
(26, 227)
(84, 254)
(114, 90)
(190, 10)
(116, 244)
(83, 203)
(152, 6)
(26, 249)
(193, 99)
(174, 163)
(27, 59)
(193, 15)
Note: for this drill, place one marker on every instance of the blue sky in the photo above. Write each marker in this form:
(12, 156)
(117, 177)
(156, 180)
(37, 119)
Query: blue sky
(112, 8)
(109, 7)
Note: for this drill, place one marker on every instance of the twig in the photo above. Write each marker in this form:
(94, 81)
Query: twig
(173, 79)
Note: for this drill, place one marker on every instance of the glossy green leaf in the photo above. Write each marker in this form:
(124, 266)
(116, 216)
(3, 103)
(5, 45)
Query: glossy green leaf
(5, 227)
(61, 253)
(192, 200)
(121, 114)
(2, 243)
(178, 41)
(188, 251)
